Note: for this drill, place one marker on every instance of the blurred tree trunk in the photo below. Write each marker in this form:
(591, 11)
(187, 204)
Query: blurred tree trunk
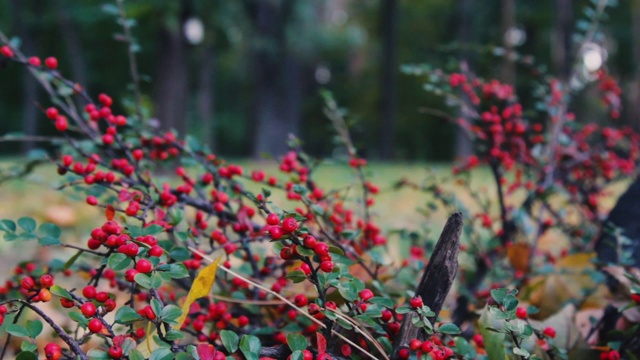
(206, 95)
(388, 91)
(171, 91)
(633, 98)
(25, 30)
(277, 78)
(561, 40)
(508, 22)
(73, 44)
(463, 144)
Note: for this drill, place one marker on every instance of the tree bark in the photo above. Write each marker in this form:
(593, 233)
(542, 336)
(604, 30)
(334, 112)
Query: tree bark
(508, 69)
(206, 96)
(436, 280)
(29, 85)
(561, 41)
(278, 83)
(388, 88)
(171, 79)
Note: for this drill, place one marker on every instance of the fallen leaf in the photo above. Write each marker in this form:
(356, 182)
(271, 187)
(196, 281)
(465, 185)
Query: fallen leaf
(200, 288)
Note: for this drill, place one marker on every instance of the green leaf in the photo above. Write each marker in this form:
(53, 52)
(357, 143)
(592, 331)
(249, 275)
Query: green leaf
(28, 346)
(296, 276)
(153, 229)
(79, 318)
(161, 354)
(388, 303)
(449, 328)
(27, 224)
(126, 314)
(173, 335)
(17, 330)
(7, 225)
(119, 261)
(156, 306)
(49, 229)
(510, 303)
(143, 280)
(27, 355)
(297, 355)
(521, 352)
(72, 260)
(180, 254)
(136, 355)
(170, 313)
(297, 342)
(176, 271)
(98, 354)
(59, 291)
(48, 240)
(498, 295)
(250, 347)
(156, 280)
(229, 340)
(348, 290)
(34, 328)
(403, 309)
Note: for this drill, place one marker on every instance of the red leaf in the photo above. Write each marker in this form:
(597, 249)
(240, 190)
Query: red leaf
(206, 351)
(110, 212)
(322, 343)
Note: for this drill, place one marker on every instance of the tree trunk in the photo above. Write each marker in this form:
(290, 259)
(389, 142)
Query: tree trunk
(561, 41)
(171, 80)
(206, 96)
(388, 91)
(277, 75)
(464, 146)
(508, 13)
(29, 85)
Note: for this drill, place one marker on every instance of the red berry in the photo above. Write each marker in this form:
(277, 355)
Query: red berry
(273, 219)
(310, 241)
(51, 62)
(366, 294)
(156, 251)
(44, 295)
(88, 309)
(35, 61)
(27, 283)
(144, 266)
(91, 200)
(115, 352)
(46, 280)
(107, 139)
(52, 351)
(415, 302)
(289, 225)
(321, 249)
(521, 313)
(130, 274)
(52, 113)
(89, 292)
(300, 300)
(102, 296)
(404, 353)
(636, 298)
(307, 355)
(243, 321)
(275, 232)
(61, 123)
(415, 344)
(66, 303)
(613, 355)
(105, 99)
(95, 325)
(345, 350)
(426, 347)
(327, 266)
(550, 332)
(6, 51)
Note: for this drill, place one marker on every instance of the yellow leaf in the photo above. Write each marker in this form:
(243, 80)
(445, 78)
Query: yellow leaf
(148, 340)
(200, 288)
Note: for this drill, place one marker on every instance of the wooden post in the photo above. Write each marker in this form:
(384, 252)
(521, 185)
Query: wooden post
(436, 280)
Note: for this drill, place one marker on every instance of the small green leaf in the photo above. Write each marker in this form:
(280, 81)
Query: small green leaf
(297, 355)
(143, 280)
(59, 291)
(48, 229)
(296, 276)
(27, 355)
(34, 328)
(449, 328)
(17, 330)
(161, 354)
(229, 340)
(250, 347)
(119, 261)
(498, 295)
(173, 335)
(79, 318)
(297, 342)
(179, 254)
(98, 354)
(126, 314)
(72, 260)
(136, 355)
(388, 303)
(153, 229)
(27, 224)
(48, 240)
(170, 313)
(28, 346)
(7, 225)
(176, 271)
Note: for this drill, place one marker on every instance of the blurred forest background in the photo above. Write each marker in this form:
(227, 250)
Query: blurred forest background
(241, 74)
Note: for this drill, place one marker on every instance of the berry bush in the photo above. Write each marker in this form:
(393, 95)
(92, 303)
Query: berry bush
(199, 267)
